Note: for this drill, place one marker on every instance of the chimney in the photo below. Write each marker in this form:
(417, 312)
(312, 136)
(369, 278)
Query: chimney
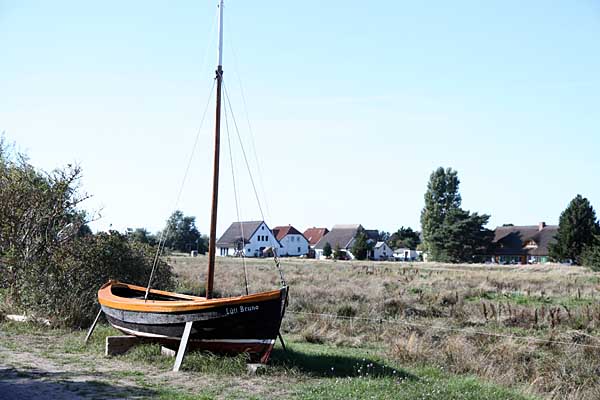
(541, 226)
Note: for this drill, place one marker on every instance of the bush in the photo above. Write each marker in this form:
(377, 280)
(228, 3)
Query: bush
(51, 264)
(65, 290)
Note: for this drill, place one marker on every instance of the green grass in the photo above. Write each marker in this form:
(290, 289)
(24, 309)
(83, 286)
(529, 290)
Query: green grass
(426, 387)
(304, 372)
(351, 374)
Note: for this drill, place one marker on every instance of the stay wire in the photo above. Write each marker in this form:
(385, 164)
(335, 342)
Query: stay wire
(235, 196)
(164, 233)
(442, 328)
(273, 247)
(250, 130)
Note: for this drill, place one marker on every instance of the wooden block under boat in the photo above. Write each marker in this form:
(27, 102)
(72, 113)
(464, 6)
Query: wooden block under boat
(116, 345)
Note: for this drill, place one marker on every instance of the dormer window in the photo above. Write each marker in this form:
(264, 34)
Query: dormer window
(531, 244)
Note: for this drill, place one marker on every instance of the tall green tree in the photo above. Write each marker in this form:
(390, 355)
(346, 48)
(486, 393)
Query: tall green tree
(441, 197)
(338, 254)
(462, 237)
(577, 228)
(451, 234)
(590, 257)
(327, 250)
(361, 246)
(182, 235)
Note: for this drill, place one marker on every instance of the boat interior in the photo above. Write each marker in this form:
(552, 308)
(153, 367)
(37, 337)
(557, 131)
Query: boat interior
(137, 292)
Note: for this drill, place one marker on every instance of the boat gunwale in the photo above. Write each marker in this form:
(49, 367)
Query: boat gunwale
(186, 304)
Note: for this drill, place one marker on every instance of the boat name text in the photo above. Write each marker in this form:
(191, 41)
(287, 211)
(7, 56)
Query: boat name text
(240, 309)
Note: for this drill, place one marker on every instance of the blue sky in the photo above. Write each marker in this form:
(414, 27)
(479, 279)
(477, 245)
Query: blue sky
(352, 104)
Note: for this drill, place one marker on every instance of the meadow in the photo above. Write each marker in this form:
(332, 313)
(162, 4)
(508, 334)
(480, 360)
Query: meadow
(358, 330)
(533, 328)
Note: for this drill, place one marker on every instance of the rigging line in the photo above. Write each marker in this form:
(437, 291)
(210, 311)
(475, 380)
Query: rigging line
(252, 142)
(244, 152)
(235, 196)
(273, 247)
(449, 329)
(163, 234)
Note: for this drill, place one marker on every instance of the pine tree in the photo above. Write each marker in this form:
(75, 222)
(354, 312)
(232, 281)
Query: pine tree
(327, 250)
(577, 228)
(451, 234)
(337, 252)
(360, 247)
(591, 255)
(441, 197)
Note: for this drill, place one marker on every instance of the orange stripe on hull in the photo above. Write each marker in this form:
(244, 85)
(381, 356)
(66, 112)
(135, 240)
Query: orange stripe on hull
(183, 303)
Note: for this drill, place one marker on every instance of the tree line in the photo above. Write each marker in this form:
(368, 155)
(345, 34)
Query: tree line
(451, 234)
(455, 235)
(180, 234)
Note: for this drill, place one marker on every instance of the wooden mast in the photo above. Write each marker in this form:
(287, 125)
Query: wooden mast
(215, 191)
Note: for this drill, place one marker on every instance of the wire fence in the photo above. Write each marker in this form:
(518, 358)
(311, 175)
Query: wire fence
(382, 321)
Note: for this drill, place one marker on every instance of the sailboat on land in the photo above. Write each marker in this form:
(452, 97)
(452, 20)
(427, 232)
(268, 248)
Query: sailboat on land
(243, 324)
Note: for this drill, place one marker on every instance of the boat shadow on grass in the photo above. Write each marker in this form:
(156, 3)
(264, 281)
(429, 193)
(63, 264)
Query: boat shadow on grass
(33, 383)
(334, 365)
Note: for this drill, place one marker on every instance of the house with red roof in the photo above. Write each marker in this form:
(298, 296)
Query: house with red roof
(292, 241)
(313, 235)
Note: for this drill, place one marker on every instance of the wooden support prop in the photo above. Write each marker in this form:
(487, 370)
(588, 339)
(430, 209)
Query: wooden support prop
(281, 340)
(120, 344)
(182, 346)
(91, 330)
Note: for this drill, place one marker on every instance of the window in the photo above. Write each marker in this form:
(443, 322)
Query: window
(299, 250)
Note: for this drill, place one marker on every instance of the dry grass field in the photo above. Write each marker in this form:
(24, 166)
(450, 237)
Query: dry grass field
(354, 330)
(535, 328)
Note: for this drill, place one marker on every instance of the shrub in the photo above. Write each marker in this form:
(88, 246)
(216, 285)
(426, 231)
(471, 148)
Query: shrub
(51, 264)
(65, 290)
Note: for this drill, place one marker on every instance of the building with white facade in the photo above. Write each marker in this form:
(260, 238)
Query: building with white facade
(381, 251)
(404, 254)
(247, 238)
(292, 242)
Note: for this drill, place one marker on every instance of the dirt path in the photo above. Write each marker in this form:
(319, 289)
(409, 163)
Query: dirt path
(28, 374)
(50, 365)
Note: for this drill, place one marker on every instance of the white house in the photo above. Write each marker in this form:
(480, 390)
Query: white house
(381, 251)
(248, 238)
(406, 254)
(293, 243)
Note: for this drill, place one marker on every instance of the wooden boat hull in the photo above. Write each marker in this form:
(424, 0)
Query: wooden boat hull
(244, 324)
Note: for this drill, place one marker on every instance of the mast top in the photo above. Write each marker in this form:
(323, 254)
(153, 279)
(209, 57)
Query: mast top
(220, 48)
